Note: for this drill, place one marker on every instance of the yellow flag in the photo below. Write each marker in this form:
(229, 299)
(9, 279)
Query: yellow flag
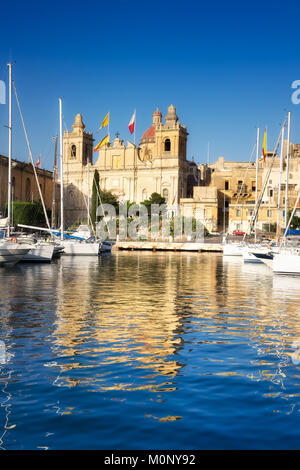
(105, 121)
(102, 142)
(264, 149)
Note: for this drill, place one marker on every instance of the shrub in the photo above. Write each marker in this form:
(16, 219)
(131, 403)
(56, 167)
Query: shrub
(28, 213)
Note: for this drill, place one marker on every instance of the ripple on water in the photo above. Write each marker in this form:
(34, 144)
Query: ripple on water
(149, 350)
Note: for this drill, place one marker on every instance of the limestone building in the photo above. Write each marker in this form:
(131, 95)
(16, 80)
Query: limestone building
(24, 186)
(131, 172)
(234, 183)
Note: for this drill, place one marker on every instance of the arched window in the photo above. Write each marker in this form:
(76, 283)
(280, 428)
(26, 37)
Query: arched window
(27, 189)
(166, 195)
(167, 145)
(144, 194)
(73, 151)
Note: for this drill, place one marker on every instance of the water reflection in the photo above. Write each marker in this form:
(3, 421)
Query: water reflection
(135, 321)
(163, 339)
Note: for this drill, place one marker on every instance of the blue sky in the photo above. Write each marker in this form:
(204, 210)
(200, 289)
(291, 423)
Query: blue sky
(227, 68)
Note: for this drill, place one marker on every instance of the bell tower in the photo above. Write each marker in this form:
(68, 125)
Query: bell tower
(78, 144)
(78, 170)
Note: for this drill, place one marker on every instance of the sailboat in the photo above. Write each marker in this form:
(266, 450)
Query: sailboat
(283, 259)
(262, 253)
(40, 251)
(287, 260)
(10, 250)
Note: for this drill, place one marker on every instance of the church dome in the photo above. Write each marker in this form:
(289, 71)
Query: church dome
(148, 135)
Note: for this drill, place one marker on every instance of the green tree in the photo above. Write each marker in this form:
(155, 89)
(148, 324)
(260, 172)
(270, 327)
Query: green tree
(28, 213)
(109, 198)
(95, 198)
(295, 222)
(155, 198)
(126, 205)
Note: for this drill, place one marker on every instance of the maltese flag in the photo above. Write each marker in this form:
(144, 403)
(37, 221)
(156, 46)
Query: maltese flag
(132, 124)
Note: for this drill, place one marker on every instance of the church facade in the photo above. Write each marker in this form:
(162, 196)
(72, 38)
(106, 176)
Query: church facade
(131, 172)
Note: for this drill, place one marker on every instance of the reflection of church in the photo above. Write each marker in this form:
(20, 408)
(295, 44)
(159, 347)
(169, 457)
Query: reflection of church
(131, 172)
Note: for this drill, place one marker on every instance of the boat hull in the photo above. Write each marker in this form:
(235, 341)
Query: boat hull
(232, 249)
(40, 253)
(11, 254)
(105, 247)
(249, 257)
(81, 249)
(256, 254)
(286, 263)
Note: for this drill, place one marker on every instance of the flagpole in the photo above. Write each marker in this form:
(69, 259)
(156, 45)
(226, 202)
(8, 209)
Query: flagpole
(266, 141)
(134, 126)
(108, 125)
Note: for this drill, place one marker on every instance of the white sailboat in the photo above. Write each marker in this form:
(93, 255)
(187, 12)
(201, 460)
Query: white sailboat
(261, 253)
(84, 232)
(39, 251)
(10, 250)
(284, 259)
(287, 260)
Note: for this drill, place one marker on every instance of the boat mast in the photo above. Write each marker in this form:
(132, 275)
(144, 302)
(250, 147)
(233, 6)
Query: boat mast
(287, 171)
(88, 201)
(54, 184)
(256, 182)
(9, 147)
(61, 173)
(279, 186)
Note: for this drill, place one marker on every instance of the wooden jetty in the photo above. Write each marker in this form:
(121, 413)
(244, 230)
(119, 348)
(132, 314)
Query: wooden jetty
(168, 246)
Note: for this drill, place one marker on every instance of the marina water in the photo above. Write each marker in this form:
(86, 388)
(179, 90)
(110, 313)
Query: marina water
(149, 351)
